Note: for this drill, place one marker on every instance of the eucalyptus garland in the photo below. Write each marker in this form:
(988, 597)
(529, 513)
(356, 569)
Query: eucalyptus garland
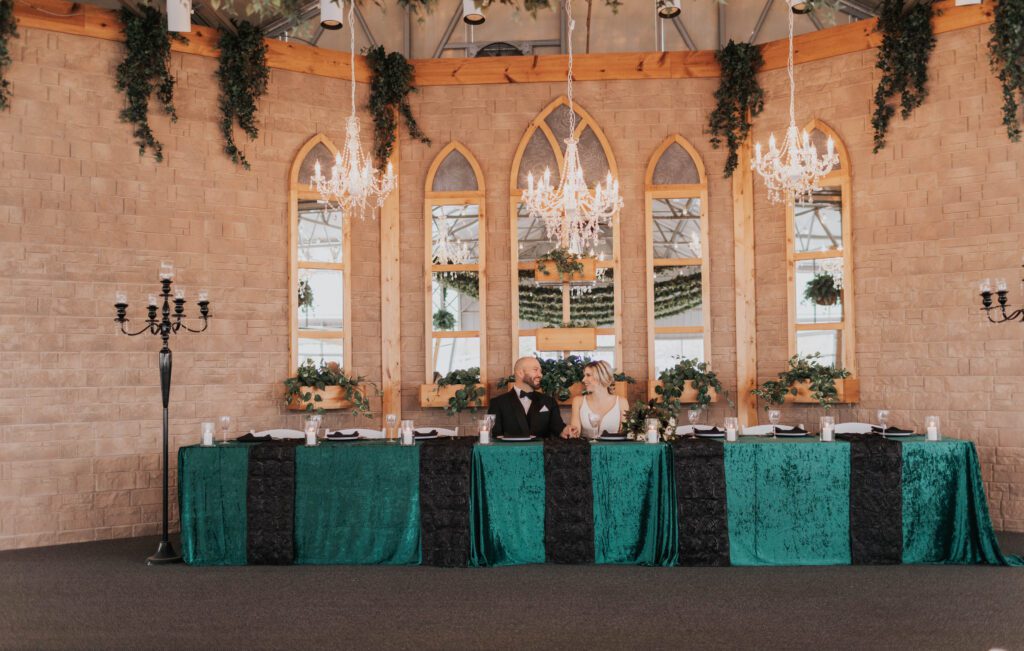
(1007, 58)
(390, 85)
(738, 99)
(907, 44)
(145, 69)
(243, 76)
(8, 28)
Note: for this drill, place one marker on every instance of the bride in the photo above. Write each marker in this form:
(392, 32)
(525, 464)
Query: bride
(600, 410)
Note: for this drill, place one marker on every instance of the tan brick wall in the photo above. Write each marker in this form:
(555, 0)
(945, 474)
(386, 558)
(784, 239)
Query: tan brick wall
(81, 215)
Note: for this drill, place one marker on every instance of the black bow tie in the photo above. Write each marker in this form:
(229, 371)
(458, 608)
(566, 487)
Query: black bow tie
(527, 394)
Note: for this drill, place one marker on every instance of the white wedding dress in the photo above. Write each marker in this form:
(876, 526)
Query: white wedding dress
(610, 421)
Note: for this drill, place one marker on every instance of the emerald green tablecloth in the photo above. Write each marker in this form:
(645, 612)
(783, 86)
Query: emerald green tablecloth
(212, 486)
(506, 504)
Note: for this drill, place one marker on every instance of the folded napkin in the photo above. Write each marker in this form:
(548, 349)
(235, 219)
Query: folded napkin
(421, 434)
(704, 429)
(340, 435)
(875, 429)
(250, 438)
(605, 433)
(792, 429)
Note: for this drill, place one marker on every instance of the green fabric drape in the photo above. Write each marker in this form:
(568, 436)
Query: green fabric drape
(945, 515)
(634, 504)
(789, 502)
(212, 487)
(506, 504)
(357, 504)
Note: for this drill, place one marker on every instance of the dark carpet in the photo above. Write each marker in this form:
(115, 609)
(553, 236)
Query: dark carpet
(102, 596)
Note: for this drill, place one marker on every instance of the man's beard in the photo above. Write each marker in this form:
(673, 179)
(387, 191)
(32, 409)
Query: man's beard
(533, 382)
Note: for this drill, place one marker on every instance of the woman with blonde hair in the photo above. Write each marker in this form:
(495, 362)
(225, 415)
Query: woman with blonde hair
(599, 410)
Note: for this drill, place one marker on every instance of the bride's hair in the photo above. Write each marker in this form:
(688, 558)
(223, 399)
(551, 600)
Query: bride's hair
(603, 373)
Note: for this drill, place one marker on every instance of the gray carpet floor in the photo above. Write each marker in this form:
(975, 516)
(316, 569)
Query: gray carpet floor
(102, 596)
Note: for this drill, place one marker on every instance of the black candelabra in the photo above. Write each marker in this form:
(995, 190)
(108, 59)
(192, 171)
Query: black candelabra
(161, 321)
(1003, 315)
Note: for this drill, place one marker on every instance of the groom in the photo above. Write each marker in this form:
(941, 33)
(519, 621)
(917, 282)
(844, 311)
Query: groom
(523, 410)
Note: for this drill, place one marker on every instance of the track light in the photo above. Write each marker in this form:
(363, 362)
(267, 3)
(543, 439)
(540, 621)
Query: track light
(669, 8)
(471, 14)
(179, 15)
(331, 14)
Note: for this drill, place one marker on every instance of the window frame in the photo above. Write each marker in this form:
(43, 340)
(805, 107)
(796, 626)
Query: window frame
(461, 197)
(654, 191)
(300, 191)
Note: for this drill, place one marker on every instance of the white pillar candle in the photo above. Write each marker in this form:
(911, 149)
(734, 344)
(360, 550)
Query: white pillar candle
(407, 437)
(485, 437)
(311, 437)
(827, 434)
(652, 436)
(208, 439)
(730, 434)
(933, 433)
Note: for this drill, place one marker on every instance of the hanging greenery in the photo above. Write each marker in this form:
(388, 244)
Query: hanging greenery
(444, 320)
(8, 28)
(673, 383)
(470, 396)
(823, 289)
(390, 85)
(803, 368)
(145, 69)
(243, 76)
(1007, 58)
(739, 98)
(907, 44)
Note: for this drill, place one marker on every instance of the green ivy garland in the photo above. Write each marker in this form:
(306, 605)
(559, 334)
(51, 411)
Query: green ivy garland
(145, 69)
(243, 76)
(470, 396)
(803, 368)
(907, 44)
(1006, 49)
(739, 98)
(673, 383)
(390, 85)
(8, 28)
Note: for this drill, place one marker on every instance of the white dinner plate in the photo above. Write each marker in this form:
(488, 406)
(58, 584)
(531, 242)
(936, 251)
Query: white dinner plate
(710, 435)
(611, 438)
(516, 439)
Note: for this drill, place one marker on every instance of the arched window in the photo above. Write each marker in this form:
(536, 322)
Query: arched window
(540, 307)
(819, 261)
(319, 270)
(455, 286)
(676, 200)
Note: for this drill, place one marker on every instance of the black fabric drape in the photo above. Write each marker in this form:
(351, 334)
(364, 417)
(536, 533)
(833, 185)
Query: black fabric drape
(876, 500)
(568, 501)
(445, 466)
(270, 504)
(699, 469)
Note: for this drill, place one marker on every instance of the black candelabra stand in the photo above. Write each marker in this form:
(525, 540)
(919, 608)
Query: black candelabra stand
(1002, 316)
(161, 321)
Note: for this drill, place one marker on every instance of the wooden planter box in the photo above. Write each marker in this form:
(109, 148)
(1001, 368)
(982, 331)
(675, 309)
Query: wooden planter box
(548, 273)
(621, 389)
(331, 398)
(849, 392)
(552, 339)
(689, 395)
(432, 395)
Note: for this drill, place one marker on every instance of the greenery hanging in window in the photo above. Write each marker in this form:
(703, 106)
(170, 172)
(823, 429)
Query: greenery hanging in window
(390, 85)
(1007, 58)
(739, 98)
(907, 44)
(243, 76)
(8, 28)
(145, 69)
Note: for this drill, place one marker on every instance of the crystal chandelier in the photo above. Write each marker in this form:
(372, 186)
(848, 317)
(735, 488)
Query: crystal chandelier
(447, 247)
(794, 172)
(572, 213)
(354, 186)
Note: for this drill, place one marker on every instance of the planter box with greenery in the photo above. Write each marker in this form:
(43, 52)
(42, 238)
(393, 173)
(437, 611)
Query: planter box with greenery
(689, 394)
(456, 392)
(557, 339)
(688, 382)
(847, 392)
(807, 380)
(548, 271)
(325, 387)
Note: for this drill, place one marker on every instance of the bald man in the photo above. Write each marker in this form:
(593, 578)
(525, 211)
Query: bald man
(524, 410)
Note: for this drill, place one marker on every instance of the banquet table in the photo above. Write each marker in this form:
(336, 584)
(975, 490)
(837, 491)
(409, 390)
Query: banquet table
(757, 501)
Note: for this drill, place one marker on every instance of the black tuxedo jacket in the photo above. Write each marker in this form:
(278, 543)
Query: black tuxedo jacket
(511, 419)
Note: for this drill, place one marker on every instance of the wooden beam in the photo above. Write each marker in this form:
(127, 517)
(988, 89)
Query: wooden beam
(390, 291)
(746, 308)
(90, 20)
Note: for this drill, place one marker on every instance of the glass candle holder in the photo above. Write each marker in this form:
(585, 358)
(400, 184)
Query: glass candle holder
(166, 270)
(732, 428)
(484, 426)
(408, 437)
(931, 428)
(828, 428)
(208, 430)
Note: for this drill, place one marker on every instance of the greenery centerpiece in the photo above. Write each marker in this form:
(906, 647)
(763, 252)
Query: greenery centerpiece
(739, 98)
(469, 395)
(243, 76)
(635, 421)
(685, 374)
(145, 69)
(1006, 50)
(823, 289)
(559, 376)
(803, 369)
(8, 29)
(318, 387)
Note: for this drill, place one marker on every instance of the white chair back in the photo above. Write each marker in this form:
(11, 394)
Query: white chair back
(757, 430)
(365, 432)
(853, 428)
(281, 434)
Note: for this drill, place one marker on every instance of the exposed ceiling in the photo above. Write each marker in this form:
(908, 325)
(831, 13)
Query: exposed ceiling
(703, 25)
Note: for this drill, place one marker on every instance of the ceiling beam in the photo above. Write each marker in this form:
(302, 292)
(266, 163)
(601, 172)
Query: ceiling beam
(760, 21)
(365, 28)
(721, 24)
(278, 26)
(680, 26)
(815, 20)
(448, 30)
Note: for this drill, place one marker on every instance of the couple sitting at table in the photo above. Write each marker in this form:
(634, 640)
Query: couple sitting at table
(524, 410)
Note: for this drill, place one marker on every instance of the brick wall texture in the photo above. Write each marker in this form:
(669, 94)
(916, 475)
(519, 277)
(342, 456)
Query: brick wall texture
(81, 215)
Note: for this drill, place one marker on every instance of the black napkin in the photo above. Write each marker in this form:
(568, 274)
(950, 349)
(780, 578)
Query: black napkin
(875, 429)
(704, 429)
(251, 438)
(339, 435)
(419, 435)
(791, 430)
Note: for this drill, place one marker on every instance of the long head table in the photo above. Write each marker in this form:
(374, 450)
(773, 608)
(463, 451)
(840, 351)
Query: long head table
(754, 502)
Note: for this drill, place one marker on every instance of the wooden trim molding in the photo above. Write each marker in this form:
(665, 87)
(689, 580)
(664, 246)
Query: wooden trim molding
(746, 304)
(90, 20)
